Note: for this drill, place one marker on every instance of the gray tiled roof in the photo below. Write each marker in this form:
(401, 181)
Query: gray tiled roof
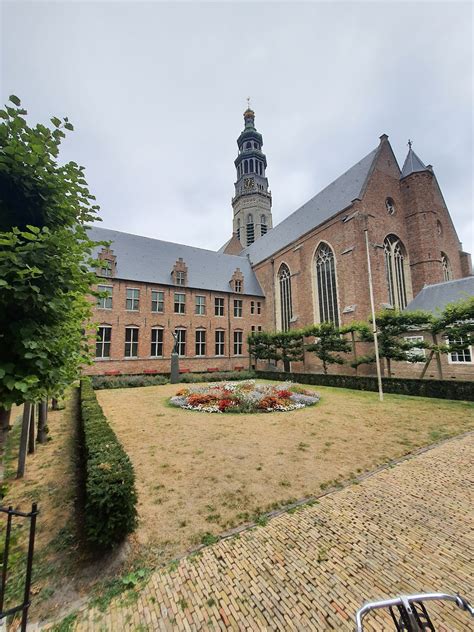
(434, 298)
(412, 164)
(152, 260)
(334, 198)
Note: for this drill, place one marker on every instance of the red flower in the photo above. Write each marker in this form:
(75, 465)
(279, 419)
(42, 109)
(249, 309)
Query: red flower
(284, 394)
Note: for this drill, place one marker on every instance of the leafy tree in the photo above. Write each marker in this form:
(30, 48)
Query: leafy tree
(284, 345)
(329, 343)
(45, 260)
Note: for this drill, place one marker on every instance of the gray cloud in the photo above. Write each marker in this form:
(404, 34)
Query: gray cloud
(156, 92)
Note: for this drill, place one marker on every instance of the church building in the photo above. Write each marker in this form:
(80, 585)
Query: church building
(310, 268)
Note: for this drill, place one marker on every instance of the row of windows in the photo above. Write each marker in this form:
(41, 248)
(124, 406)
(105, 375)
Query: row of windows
(251, 166)
(464, 356)
(132, 302)
(104, 341)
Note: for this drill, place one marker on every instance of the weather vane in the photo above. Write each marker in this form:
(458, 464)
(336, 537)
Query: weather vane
(410, 143)
(248, 103)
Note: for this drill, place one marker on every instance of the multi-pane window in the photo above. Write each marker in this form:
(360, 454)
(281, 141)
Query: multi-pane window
(395, 256)
(131, 342)
(238, 342)
(219, 306)
(220, 344)
(200, 342)
(102, 345)
(238, 307)
(133, 299)
(157, 301)
(259, 307)
(179, 303)
(250, 229)
(238, 286)
(156, 350)
(180, 278)
(106, 269)
(105, 302)
(286, 307)
(326, 285)
(447, 272)
(463, 356)
(415, 353)
(181, 333)
(252, 307)
(200, 305)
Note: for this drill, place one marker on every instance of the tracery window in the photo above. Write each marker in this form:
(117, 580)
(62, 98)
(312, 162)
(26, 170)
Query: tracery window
(326, 284)
(447, 272)
(395, 256)
(250, 230)
(286, 307)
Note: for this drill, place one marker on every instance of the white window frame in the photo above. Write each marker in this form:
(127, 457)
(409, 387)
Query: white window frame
(180, 303)
(159, 301)
(181, 332)
(462, 362)
(415, 350)
(219, 345)
(180, 278)
(238, 343)
(156, 344)
(101, 300)
(200, 307)
(238, 307)
(200, 343)
(129, 344)
(101, 344)
(219, 307)
(134, 299)
(238, 286)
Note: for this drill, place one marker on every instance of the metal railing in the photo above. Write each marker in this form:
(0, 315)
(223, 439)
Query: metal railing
(24, 606)
(412, 615)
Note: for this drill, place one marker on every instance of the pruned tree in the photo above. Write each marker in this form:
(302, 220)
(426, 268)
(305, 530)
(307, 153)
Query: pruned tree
(285, 346)
(45, 261)
(329, 343)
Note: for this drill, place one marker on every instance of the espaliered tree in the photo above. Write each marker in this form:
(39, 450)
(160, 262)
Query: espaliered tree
(45, 266)
(328, 344)
(286, 346)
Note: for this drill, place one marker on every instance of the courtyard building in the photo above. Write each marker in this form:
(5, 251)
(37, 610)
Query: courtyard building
(310, 268)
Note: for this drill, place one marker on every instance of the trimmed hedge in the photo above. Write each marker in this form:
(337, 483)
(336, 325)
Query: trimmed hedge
(100, 382)
(443, 389)
(217, 376)
(110, 494)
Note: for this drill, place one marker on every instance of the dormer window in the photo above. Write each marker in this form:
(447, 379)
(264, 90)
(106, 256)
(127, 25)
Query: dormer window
(238, 286)
(390, 206)
(237, 282)
(180, 278)
(107, 263)
(180, 273)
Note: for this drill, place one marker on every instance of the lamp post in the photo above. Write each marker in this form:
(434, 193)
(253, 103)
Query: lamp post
(374, 322)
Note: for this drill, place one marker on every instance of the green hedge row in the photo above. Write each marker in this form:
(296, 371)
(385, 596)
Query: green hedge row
(444, 389)
(216, 376)
(127, 381)
(110, 495)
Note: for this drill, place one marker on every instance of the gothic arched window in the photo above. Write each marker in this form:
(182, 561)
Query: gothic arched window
(251, 165)
(447, 272)
(286, 307)
(246, 166)
(263, 225)
(248, 145)
(326, 284)
(395, 258)
(250, 229)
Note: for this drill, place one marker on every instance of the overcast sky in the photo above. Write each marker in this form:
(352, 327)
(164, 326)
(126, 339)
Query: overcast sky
(156, 92)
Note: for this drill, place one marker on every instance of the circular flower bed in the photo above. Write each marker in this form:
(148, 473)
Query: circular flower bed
(244, 397)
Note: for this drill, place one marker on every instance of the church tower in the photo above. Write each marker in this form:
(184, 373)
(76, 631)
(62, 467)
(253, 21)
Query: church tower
(252, 202)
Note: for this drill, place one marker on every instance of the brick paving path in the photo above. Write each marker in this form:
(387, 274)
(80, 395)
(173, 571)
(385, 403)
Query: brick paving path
(405, 529)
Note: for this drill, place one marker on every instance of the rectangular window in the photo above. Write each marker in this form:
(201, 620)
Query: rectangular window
(156, 342)
(415, 351)
(238, 336)
(463, 356)
(252, 307)
(200, 305)
(200, 342)
(106, 269)
(253, 329)
(259, 307)
(104, 302)
(220, 345)
(238, 286)
(131, 342)
(219, 306)
(180, 278)
(238, 308)
(259, 328)
(157, 301)
(179, 303)
(133, 299)
(102, 345)
(181, 333)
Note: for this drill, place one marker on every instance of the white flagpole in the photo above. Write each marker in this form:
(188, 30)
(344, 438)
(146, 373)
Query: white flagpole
(374, 322)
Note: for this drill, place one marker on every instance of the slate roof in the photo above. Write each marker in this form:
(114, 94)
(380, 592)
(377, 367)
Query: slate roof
(152, 260)
(334, 198)
(412, 164)
(434, 298)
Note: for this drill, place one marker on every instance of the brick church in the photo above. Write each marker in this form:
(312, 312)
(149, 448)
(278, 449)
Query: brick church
(310, 268)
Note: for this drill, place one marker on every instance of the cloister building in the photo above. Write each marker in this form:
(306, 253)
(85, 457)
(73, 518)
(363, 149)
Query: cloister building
(311, 267)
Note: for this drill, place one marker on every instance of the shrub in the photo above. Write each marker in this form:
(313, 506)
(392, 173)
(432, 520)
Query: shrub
(110, 495)
(442, 389)
(224, 376)
(127, 381)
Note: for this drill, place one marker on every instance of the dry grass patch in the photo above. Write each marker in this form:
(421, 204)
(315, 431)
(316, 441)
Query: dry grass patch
(200, 474)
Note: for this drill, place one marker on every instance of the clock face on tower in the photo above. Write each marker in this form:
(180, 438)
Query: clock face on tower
(248, 183)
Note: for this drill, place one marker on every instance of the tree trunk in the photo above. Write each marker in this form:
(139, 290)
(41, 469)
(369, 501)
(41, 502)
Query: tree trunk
(438, 358)
(354, 350)
(25, 424)
(54, 404)
(4, 423)
(389, 367)
(31, 431)
(42, 436)
(286, 365)
(427, 364)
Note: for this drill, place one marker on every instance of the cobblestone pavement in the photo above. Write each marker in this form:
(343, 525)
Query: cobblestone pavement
(405, 529)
